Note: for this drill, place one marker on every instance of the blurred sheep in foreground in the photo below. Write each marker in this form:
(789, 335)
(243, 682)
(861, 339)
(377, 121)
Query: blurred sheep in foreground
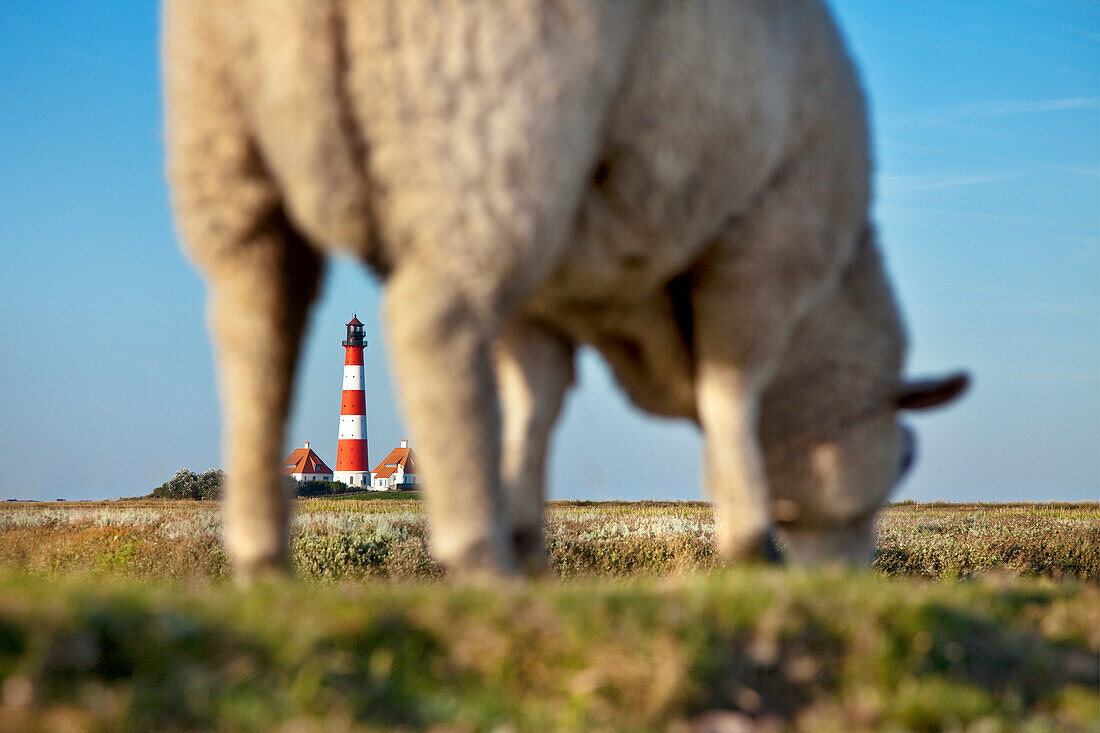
(683, 185)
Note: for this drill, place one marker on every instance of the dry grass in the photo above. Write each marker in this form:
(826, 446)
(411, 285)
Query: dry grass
(348, 538)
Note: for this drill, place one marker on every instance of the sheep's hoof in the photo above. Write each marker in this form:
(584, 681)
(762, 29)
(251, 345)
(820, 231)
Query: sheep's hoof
(483, 564)
(771, 552)
(483, 577)
(761, 548)
(530, 552)
(249, 573)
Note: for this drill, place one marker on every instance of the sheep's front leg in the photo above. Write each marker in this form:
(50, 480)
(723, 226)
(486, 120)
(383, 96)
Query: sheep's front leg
(734, 469)
(749, 291)
(534, 369)
(260, 292)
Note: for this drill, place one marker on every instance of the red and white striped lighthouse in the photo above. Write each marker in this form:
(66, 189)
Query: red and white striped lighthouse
(352, 466)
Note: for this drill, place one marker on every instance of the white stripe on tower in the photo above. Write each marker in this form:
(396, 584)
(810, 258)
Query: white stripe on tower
(353, 376)
(353, 426)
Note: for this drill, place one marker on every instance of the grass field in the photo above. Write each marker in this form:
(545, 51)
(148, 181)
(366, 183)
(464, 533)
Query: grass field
(114, 615)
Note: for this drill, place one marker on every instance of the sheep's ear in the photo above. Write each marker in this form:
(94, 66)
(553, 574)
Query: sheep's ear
(926, 393)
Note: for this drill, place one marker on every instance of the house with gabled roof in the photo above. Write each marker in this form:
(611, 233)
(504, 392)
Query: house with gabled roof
(396, 471)
(304, 465)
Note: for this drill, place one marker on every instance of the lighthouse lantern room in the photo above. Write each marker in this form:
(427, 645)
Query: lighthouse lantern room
(352, 465)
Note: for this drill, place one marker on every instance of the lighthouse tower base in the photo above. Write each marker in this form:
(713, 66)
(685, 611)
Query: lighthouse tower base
(353, 478)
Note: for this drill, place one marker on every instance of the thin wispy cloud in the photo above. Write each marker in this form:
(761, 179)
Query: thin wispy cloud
(995, 109)
(1086, 308)
(1076, 170)
(935, 181)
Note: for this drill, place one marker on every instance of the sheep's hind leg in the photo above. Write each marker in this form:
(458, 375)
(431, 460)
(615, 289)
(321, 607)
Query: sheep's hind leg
(260, 293)
(534, 369)
(441, 337)
(261, 276)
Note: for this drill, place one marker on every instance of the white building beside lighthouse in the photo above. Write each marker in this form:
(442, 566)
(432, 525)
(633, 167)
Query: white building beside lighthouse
(396, 471)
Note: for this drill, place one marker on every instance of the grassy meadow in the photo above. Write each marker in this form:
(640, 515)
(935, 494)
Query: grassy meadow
(116, 616)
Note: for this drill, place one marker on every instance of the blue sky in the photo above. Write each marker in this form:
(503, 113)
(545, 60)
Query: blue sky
(986, 118)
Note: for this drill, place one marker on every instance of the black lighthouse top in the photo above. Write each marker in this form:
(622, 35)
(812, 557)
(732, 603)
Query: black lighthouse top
(356, 337)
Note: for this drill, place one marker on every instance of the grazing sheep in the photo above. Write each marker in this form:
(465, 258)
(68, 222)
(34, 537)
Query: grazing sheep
(682, 184)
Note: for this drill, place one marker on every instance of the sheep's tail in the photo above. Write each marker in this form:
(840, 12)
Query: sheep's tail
(304, 119)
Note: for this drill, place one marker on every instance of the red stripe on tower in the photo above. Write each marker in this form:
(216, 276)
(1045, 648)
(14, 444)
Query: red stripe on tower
(354, 402)
(352, 465)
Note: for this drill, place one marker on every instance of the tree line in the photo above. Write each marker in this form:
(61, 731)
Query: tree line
(187, 484)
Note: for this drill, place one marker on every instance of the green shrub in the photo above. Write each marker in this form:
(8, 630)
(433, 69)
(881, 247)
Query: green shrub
(186, 484)
(338, 555)
(305, 489)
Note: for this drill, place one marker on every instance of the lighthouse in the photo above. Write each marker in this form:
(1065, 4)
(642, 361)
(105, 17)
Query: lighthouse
(352, 466)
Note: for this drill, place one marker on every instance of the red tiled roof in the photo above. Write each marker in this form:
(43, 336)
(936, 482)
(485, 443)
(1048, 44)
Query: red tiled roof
(383, 472)
(304, 460)
(404, 457)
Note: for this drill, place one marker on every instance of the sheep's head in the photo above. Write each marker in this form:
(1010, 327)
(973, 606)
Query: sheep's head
(834, 446)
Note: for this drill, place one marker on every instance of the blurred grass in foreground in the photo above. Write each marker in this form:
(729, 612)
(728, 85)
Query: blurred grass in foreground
(784, 649)
(116, 616)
